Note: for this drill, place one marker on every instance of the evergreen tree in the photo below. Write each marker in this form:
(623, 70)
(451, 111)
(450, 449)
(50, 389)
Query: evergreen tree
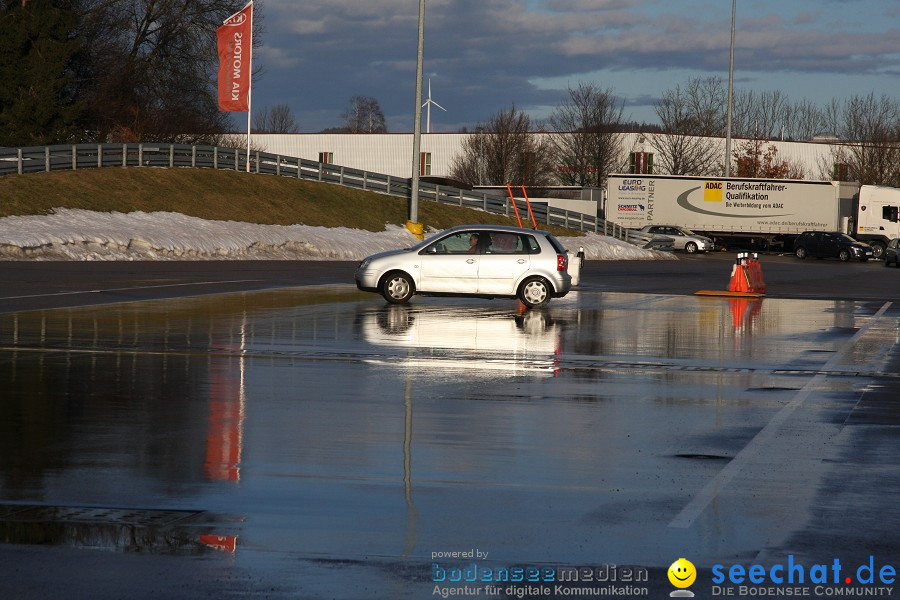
(37, 47)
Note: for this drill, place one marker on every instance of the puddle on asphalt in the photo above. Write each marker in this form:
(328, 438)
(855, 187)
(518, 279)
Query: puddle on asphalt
(342, 427)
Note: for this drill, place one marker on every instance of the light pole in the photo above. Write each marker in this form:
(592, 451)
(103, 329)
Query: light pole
(730, 94)
(413, 223)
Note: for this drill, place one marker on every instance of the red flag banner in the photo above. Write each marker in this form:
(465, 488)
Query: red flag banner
(234, 42)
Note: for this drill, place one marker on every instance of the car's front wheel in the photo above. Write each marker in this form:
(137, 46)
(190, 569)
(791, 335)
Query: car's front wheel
(800, 252)
(844, 255)
(397, 288)
(534, 292)
(690, 248)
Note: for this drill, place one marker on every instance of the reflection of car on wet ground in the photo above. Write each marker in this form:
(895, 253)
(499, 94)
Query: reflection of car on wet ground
(831, 244)
(682, 239)
(466, 337)
(474, 260)
(892, 253)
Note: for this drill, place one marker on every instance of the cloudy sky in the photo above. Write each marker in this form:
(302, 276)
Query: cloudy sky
(484, 55)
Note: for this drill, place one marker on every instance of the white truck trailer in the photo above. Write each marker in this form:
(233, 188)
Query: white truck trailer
(755, 213)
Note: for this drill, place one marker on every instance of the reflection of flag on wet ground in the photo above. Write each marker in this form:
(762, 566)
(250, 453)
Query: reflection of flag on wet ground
(226, 421)
(225, 543)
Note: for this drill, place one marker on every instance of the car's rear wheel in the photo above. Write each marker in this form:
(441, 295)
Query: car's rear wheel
(690, 248)
(800, 252)
(844, 255)
(534, 292)
(397, 287)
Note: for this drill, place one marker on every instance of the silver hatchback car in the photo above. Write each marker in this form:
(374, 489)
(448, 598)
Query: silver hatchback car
(683, 239)
(474, 260)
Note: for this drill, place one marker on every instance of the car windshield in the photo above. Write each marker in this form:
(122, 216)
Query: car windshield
(425, 242)
(846, 238)
(686, 231)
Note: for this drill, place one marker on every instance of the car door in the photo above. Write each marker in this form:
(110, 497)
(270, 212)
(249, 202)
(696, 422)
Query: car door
(814, 245)
(678, 237)
(450, 264)
(506, 258)
(828, 245)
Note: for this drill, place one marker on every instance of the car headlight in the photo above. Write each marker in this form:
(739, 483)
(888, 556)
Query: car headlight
(364, 264)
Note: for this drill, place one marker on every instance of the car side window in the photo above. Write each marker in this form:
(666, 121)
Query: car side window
(506, 243)
(459, 243)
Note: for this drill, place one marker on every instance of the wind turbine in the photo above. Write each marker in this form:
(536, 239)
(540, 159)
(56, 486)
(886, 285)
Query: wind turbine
(427, 107)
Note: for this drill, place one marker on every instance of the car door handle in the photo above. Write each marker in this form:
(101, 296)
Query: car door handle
(521, 261)
(471, 261)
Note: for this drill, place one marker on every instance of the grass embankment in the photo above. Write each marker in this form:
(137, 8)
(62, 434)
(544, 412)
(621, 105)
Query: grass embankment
(223, 196)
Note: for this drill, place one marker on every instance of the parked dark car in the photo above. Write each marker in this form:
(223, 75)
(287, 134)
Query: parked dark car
(892, 253)
(831, 244)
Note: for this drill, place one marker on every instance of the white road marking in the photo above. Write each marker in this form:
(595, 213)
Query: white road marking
(757, 445)
(126, 289)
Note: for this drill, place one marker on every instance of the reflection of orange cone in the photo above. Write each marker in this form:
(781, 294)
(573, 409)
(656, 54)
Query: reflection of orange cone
(738, 306)
(744, 312)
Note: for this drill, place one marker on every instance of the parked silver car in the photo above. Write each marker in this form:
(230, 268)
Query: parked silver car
(474, 260)
(683, 239)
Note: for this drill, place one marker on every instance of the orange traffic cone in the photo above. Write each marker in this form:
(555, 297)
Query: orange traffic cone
(759, 284)
(739, 282)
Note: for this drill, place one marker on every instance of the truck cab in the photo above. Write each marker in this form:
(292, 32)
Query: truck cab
(878, 216)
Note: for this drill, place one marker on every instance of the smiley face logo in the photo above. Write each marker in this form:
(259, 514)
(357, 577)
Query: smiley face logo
(682, 573)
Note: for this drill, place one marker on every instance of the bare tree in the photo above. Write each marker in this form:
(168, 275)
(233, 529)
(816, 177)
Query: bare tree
(588, 138)
(870, 129)
(707, 100)
(278, 119)
(364, 115)
(505, 150)
(678, 151)
(803, 121)
(146, 73)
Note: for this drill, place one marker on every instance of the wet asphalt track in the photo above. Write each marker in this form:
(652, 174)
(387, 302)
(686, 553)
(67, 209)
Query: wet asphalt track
(329, 444)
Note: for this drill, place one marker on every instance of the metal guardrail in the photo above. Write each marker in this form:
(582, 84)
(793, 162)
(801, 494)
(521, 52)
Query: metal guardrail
(87, 156)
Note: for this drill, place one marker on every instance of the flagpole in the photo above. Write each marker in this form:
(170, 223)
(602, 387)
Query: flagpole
(250, 86)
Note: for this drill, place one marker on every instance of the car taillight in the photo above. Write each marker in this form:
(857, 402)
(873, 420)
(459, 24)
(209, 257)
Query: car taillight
(562, 262)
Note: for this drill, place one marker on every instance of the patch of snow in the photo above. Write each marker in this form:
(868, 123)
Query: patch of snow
(75, 234)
